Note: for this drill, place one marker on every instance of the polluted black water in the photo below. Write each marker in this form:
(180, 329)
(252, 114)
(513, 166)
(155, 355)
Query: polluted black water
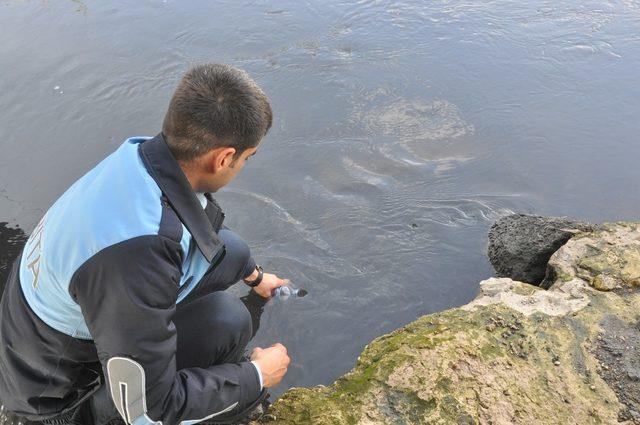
(402, 130)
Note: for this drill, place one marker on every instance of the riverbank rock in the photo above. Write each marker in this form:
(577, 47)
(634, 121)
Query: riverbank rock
(520, 245)
(517, 354)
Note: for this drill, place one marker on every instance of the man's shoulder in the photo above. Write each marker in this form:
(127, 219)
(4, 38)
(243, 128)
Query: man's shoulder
(115, 202)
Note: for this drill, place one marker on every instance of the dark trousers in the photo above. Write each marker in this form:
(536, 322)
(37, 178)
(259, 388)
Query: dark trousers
(213, 328)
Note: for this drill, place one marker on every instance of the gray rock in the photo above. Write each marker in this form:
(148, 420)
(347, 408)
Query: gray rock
(520, 245)
(619, 350)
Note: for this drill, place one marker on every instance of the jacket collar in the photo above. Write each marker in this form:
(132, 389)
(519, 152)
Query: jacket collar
(201, 223)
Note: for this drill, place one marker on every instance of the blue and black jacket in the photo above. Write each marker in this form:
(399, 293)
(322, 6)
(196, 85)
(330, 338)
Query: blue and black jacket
(90, 301)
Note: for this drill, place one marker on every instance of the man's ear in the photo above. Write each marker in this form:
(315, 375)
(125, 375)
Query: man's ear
(223, 157)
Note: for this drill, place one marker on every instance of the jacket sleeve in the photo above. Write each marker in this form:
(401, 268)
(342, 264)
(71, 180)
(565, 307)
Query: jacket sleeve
(127, 293)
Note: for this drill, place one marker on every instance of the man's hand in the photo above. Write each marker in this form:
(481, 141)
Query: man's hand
(273, 362)
(268, 284)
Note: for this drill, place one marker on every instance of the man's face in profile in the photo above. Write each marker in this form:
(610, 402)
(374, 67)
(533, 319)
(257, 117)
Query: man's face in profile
(229, 169)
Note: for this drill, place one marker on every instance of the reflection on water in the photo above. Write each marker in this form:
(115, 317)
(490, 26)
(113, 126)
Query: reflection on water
(402, 129)
(255, 304)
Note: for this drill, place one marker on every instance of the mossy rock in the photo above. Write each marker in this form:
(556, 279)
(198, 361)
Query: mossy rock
(515, 355)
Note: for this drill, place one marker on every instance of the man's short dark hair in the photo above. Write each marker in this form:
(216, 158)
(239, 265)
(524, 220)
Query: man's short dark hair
(215, 105)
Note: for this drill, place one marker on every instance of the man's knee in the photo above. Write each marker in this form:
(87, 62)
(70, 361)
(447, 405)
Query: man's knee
(228, 319)
(218, 324)
(237, 254)
(234, 319)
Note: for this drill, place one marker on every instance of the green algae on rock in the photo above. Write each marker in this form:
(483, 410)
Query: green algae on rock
(517, 354)
(607, 259)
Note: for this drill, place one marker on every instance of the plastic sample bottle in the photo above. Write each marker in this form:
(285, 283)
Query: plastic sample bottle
(288, 290)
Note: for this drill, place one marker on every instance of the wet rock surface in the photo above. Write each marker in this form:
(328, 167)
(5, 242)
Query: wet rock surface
(618, 350)
(517, 354)
(12, 239)
(520, 245)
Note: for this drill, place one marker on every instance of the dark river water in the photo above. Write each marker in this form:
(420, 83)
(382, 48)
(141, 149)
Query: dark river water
(402, 130)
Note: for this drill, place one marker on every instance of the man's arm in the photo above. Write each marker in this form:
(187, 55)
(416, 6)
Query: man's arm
(127, 293)
(239, 264)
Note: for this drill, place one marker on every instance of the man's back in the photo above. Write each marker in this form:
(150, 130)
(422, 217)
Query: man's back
(114, 202)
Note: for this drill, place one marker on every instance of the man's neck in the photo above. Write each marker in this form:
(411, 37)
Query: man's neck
(191, 175)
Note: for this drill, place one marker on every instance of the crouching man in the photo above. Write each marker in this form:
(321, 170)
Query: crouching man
(116, 306)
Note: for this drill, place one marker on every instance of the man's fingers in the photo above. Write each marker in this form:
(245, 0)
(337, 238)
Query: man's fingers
(275, 364)
(282, 282)
(280, 347)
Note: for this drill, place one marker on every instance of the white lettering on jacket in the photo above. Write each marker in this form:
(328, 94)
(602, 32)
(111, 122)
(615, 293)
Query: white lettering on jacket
(34, 249)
